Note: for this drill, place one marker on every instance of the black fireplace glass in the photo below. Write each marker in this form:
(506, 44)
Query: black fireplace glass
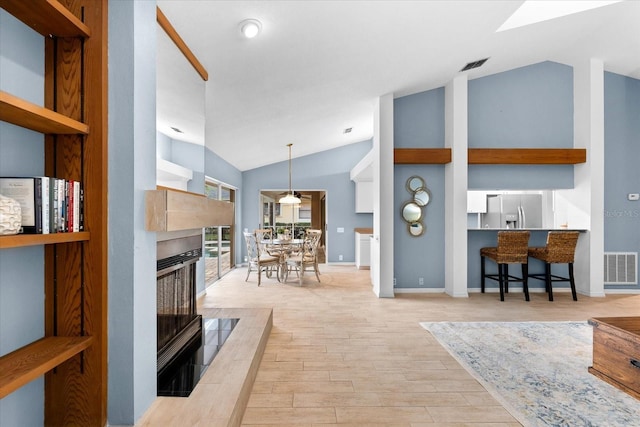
(181, 374)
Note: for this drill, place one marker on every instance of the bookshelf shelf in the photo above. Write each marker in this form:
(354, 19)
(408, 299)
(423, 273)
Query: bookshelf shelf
(33, 360)
(31, 116)
(47, 17)
(21, 240)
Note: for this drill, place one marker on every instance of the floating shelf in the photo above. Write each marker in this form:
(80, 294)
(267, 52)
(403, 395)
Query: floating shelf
(47, 17)
(21, 240)
(31, 361)
(424, 156)
(527, 156)
(31, 116)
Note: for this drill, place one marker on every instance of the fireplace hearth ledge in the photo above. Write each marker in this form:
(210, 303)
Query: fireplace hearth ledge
(221, 396)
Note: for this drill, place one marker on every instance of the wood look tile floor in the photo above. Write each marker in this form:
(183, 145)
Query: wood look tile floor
(338, 355)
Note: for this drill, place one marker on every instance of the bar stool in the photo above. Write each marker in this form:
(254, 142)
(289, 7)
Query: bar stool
(560, 249)
(512, 248)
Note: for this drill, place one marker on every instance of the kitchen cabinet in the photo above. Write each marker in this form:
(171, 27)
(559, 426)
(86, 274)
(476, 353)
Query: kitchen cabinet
(363, 249)
(73, 352)
(364, 197)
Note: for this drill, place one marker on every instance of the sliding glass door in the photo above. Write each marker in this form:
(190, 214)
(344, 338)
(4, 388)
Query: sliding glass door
(218, 241)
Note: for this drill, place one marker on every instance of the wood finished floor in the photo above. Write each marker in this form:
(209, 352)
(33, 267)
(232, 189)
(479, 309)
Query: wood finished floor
(337, 355)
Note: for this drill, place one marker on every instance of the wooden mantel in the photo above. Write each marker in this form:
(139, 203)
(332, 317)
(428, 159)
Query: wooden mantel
(492, 156)
(174, 210)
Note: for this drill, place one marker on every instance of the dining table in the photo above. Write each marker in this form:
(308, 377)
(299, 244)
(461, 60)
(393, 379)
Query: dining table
(282, 248)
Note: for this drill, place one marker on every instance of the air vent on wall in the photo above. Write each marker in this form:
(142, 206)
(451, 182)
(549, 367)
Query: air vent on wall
(621, 268)
(474, 64)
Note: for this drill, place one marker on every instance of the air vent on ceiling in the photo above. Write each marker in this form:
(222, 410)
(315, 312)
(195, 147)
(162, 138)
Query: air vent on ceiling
(176, 130)
(474, 64)
(621, 268)
(347, 130)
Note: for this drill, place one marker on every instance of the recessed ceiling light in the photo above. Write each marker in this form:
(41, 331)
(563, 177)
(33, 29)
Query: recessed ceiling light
(533, 11)
(250, 28)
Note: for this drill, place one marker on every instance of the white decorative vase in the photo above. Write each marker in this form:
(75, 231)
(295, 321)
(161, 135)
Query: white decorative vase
(10, 216)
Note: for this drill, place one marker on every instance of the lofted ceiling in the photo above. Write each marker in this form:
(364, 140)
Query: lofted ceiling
(318, 67)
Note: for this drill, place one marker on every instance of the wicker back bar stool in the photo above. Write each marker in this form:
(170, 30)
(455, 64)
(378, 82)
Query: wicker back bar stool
(512, 248)
(560, 249)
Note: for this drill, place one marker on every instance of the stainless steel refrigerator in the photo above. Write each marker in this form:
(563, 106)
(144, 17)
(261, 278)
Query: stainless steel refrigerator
(513, 211)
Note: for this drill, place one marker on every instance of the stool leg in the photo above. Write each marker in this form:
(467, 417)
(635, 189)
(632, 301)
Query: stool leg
(525, 283)
(547, 277)
(482, 274)
(506, 278)
(573, 283)
(501, 280)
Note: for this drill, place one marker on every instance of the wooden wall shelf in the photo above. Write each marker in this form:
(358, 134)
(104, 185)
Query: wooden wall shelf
(21, 240)
(424, 156)
(174, 210)
(31, 361)
(47, 17)
(527, 156)
(31, 116)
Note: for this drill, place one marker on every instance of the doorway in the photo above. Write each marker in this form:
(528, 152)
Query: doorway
(294, 220)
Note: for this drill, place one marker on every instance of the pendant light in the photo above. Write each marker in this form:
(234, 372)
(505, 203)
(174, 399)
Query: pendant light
(290, 198)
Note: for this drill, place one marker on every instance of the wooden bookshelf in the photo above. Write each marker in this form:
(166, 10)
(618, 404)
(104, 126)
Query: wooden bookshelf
(20, 240)
(31, 116)
(31, 361)
(74, 123)
(527, 156)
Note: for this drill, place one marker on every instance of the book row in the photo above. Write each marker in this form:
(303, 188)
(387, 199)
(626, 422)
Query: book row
(48, 205)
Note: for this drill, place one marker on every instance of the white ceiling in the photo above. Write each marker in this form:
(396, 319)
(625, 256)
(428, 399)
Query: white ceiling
(318, 66)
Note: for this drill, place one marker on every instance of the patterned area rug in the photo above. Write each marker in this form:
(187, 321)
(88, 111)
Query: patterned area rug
(538, 371)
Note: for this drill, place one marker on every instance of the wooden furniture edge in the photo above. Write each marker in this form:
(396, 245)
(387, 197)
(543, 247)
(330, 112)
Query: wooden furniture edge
(609, 380)
(21, 240)
(35, 359)
(407, 156)
(180, 43)
(522, 156)
(31, 116)
(47, 17)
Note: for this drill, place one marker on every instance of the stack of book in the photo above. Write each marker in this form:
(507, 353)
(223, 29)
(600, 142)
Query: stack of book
(49, 205)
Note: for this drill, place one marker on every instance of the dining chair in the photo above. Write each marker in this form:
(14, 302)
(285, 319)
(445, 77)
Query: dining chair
(261, 261)
(306, 259)
(264, 235)
(512, 248)
(560, 249)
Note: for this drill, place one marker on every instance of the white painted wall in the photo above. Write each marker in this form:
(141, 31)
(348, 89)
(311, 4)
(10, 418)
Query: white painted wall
(456, 135)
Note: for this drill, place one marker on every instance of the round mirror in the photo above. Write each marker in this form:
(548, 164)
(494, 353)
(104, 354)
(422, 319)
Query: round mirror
(415, 229)
(414, 183)
(411, 212)
(421, 196)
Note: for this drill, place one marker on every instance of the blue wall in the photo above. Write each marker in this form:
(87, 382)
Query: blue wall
(419, 123)
(622, 174)
(529, 107)
(328, 171)
(21, 269)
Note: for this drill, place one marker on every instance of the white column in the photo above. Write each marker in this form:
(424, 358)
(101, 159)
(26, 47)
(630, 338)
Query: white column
(382, 242)
(456, 132)
(588, 100)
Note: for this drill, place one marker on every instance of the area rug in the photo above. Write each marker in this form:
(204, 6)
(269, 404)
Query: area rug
(538, 371)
